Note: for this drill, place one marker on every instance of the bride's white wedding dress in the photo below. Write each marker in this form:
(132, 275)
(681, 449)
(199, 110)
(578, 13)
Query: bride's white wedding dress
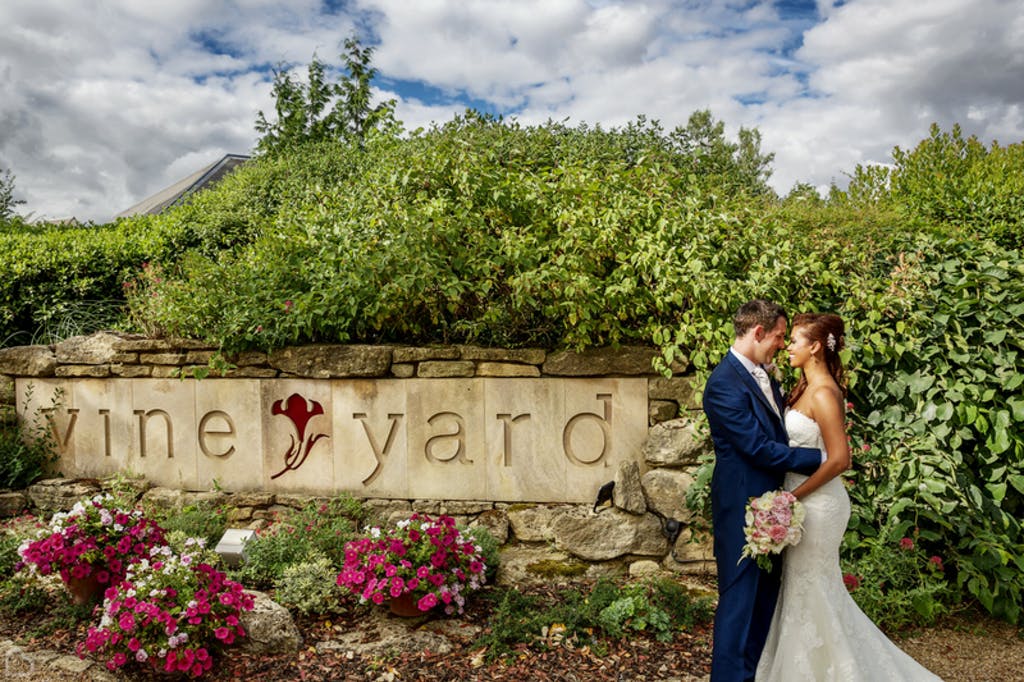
(818, 633)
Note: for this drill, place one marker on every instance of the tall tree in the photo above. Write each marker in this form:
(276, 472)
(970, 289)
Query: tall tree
(739, 165)
(324, 110)
(7, 200)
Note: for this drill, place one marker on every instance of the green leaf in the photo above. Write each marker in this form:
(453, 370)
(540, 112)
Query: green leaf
(995, 336)
(997, 491)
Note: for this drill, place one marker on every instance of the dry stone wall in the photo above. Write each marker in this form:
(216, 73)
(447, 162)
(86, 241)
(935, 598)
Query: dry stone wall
(546, 515)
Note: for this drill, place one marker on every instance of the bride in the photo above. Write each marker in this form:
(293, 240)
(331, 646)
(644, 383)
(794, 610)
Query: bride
(817, 632)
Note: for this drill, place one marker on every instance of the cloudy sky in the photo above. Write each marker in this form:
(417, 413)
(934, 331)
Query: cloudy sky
(104, 102)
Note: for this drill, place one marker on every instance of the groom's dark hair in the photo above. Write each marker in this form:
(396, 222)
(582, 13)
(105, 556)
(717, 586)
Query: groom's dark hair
(757, 312)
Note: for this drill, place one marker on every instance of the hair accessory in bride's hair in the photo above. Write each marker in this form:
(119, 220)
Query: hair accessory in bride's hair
(831, 342)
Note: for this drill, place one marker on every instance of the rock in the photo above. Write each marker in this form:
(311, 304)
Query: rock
(89, 371)
(134, 343)
(679, 389)
(627, 360)
(248, 358)
(661, 411)
(13, 503)
(430, 507)
(628, 494)
(528, 356)
(411, 354)
(691, 556)
(164, 498)
(607, 535)
(251, 373)
(403, 371)
(453, 507)
(199, 357)
(381, 634)
(6, 390)
(28, 361)
(533, 524)
(239, 515)
(96, 349)
(443, 369)
(322, 361)
(644, 568)
(496, 522)
(131, 371)
(381, 509)
(60, 494)
(162, 358)
(269, 627)
(537, 564)
(123, 483)
(252, 499)
(506, 369)
(204, 498)
(674, 443)
(665, 492)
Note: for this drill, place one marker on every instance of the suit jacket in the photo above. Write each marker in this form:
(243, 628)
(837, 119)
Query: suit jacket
(752, 455)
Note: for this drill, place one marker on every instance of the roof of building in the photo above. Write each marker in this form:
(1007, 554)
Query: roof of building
(177, 193)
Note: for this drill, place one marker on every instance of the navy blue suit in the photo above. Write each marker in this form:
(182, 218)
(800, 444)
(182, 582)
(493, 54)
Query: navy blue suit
(752, 455)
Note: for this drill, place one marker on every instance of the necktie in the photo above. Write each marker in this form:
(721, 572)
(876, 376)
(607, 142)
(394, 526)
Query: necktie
(766, 386)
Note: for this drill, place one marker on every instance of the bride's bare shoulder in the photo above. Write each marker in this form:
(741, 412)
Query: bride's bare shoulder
(826, 400)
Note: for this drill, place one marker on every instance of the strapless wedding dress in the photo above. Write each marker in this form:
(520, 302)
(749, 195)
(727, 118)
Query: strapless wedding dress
(818, 633)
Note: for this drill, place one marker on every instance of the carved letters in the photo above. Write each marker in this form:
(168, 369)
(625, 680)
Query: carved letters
(519, 437)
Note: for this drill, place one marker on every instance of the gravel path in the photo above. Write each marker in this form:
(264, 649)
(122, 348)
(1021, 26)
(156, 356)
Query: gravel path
(982, 651)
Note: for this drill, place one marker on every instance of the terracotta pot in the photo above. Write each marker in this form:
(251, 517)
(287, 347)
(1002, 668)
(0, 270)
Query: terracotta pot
(405, 606)
(87, 590)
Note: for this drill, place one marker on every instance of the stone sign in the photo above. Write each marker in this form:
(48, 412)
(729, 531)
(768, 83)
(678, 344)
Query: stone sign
(499, 439)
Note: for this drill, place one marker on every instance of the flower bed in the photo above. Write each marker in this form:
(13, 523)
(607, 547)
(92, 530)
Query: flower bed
(426, 558)
(94, 537)
(169, 613)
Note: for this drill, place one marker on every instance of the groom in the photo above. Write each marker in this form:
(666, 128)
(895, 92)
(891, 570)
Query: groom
(751, 457)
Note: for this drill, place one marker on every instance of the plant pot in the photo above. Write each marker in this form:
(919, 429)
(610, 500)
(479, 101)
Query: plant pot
(405, 606)
(87, 590)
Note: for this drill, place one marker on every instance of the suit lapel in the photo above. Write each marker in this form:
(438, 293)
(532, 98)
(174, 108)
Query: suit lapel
(750, 382)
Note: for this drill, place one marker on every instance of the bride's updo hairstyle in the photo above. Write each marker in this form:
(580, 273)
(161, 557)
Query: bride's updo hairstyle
(828, 330)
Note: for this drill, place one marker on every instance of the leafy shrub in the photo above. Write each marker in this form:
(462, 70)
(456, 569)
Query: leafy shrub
(319, 529)
(489, 549)
(633, 610)
(196, 521)
(310, 587)
(196, 547)
(270, 552)
(8, 552)
(24, 458)
(685, 609)
(896, 584)
(22, 594)
(27, 449)
(660, 607)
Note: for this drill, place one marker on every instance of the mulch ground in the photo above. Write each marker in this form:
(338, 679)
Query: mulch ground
(636, 657)
(967, 647)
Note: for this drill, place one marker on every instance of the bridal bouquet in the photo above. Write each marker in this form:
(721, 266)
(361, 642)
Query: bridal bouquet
(773, 522)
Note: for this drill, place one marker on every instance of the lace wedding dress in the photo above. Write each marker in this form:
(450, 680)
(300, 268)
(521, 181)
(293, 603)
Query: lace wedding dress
(818, 633)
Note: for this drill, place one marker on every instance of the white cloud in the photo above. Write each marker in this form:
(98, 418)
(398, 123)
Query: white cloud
(104, 103)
